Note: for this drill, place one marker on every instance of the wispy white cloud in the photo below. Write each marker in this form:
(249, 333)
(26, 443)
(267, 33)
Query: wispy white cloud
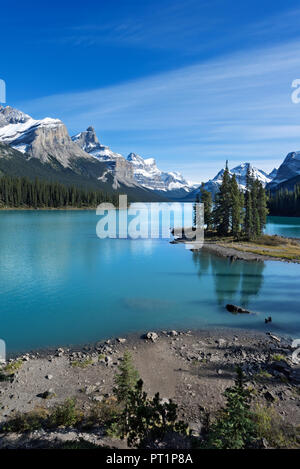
(237, 107)
(171, 24)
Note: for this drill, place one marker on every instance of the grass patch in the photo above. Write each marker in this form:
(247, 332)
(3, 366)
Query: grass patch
(63, 415)
(265, 245)
(263, 375)
(27, 422)
(12, 367)
(105, 414)
(277, 357)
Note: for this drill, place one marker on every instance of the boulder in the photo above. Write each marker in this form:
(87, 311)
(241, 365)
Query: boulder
(47, 394)
(121, 340)
(269, 396)
(151, 336)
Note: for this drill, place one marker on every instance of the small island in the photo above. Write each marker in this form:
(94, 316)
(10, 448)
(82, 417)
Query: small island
(235, 223)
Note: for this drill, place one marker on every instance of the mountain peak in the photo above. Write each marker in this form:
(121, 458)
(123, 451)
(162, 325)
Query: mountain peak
(87, 140)
(10, 115)
(289, 169)
(90, 129)
(240, 173)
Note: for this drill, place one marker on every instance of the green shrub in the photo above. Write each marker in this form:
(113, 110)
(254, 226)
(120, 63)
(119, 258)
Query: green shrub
(65, 414)
(103, 413)
(271, 427)
(29, 421)
(147, 421)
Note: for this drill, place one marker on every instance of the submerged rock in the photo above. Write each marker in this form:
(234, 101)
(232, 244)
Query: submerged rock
(237, 309)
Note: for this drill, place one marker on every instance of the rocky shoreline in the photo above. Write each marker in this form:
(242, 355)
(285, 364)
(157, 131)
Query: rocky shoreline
(191, 367)
(231, 253)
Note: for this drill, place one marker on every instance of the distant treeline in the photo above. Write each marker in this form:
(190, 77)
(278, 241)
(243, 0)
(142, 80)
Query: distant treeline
(21, 192)
(285, 202)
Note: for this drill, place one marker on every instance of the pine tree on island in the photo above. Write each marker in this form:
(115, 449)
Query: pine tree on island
(223, 202)
(235, 213)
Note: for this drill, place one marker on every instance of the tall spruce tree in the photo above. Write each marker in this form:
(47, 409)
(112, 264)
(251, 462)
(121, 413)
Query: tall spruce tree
(262, 207)
(236, 208)
(206, 199)
(256, 231)
(221, 213)
(248, 221)
(195, 211)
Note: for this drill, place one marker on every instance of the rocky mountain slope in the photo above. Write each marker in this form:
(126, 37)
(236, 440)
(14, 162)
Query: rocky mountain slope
(44, 139)
(43, 148)
(288, 170)
(134, 169)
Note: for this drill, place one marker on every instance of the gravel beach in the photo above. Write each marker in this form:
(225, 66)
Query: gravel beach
(193, 368)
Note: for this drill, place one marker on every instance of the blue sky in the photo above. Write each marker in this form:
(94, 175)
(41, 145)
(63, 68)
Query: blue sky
(191, 83)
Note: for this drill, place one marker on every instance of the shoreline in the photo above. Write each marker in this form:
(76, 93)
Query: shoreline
(134, 337)
(193, 368)
(234, 254)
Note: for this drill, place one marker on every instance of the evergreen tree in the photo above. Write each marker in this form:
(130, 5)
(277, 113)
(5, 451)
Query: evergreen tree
(150, 420)
(206, 199)
(21, 192)
(256, 228)
(221, 213)
(248, 221)
(126, 380)
(235, 428)
(195, 210)
(236, 207)
(262, 207)
(285, 202)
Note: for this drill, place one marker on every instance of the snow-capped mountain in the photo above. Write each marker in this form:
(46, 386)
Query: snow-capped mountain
(89, 142)
(143, 172)
(116, 164)
(289, 169)
(44, 139)
(47, 140)
(147, 174)
(240, 172)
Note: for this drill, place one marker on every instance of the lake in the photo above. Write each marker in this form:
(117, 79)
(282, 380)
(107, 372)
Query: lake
(60, 284)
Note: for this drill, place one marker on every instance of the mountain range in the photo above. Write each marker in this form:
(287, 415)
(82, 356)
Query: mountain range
(43, 148)
(143, 172)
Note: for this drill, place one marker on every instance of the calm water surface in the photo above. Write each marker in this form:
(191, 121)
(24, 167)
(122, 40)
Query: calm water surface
(60, 284)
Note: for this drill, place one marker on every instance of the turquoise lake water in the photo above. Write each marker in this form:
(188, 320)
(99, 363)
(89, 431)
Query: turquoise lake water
(60, 284)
